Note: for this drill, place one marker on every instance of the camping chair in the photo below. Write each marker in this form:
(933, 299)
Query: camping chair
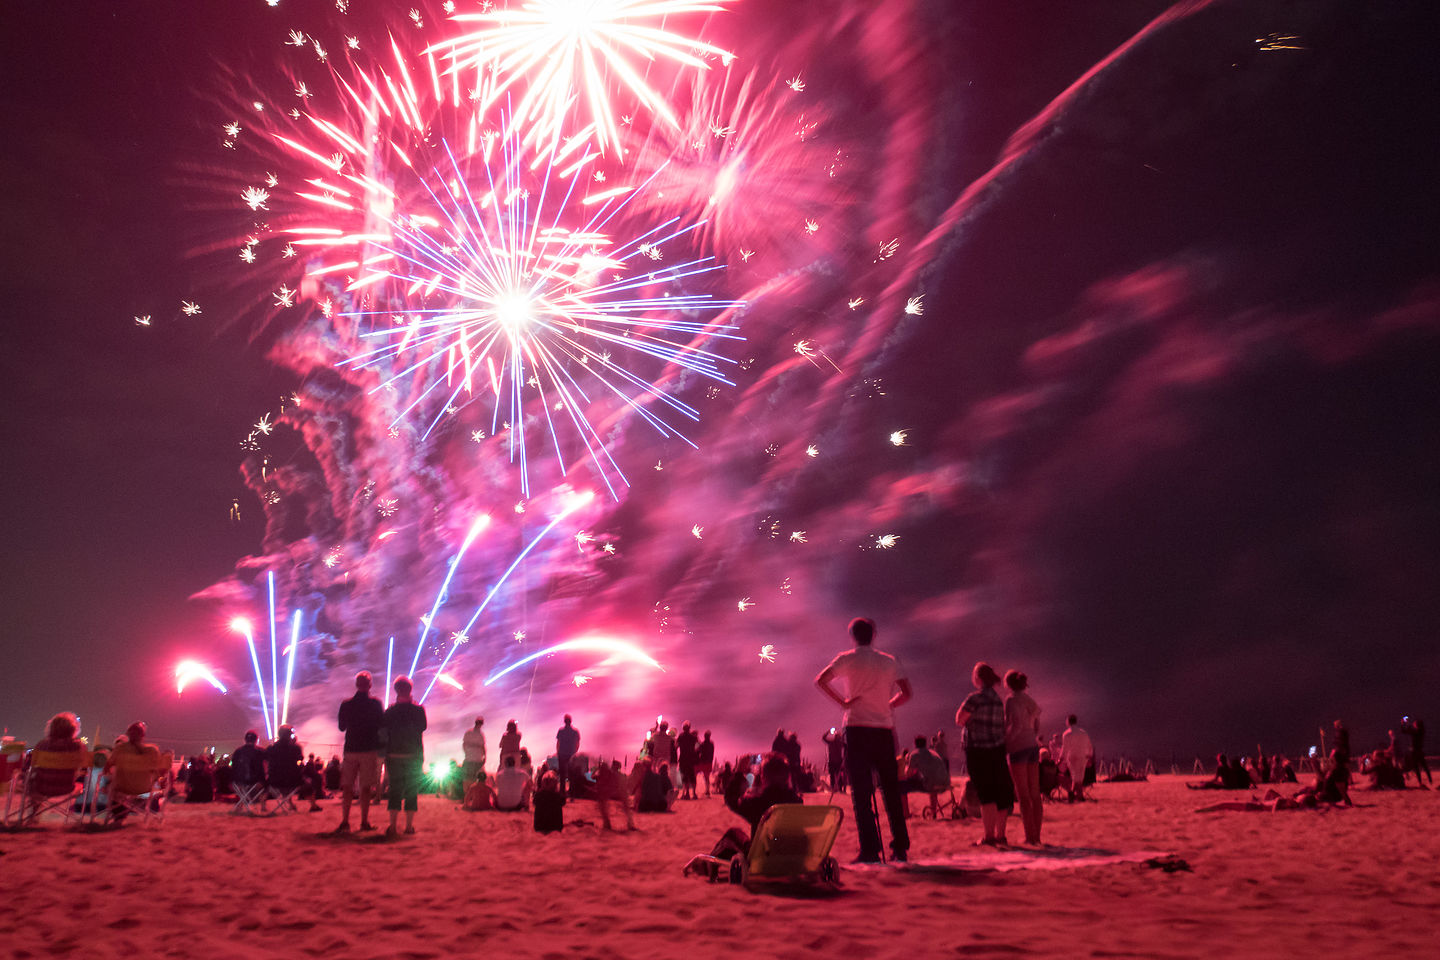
(943, 805)
(27, 799)
(284, 798)
(250, 799)
(139, 786)
(792, 843)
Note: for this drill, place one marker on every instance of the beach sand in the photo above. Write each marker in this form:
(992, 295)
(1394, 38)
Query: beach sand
(205, 884)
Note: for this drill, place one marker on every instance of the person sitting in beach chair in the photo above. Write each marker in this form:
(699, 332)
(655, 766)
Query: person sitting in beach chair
(512, 787)
(140, 778)
(50, 775)
(285, 771)
(1049, 775)
(247, 776)
(926, 773)
(772, 787)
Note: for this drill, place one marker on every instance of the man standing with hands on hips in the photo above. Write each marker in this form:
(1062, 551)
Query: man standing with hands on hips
(875, 684)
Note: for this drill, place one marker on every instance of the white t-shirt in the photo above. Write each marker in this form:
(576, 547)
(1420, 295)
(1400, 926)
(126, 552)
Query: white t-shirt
(474, 745)
(869, 677)
(510, 787)
(1076, 747)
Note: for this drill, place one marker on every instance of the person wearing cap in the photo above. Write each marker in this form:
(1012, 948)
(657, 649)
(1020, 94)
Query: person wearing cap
(473, 743)
(360, 721)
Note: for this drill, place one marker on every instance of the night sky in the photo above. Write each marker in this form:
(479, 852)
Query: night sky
(1172, 444)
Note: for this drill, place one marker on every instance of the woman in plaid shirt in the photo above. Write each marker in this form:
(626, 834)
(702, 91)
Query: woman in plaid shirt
(982, 717)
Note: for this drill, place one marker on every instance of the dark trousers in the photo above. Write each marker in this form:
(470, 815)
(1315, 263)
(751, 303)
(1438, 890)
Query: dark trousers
(562, 762)
(870, 751)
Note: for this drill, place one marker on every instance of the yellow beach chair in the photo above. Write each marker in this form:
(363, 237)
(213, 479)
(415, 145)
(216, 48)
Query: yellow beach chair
(139, 786)
(30, 797)
(791, 844)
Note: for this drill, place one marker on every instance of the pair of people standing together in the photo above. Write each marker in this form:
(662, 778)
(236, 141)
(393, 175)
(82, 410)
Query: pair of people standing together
(368, 725)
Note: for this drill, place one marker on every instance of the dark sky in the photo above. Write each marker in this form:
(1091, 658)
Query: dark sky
(1172, 397)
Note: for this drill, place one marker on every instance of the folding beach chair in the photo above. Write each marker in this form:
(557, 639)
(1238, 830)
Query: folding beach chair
(284, 798)
(250, 799)
(139, 787)
(791, 844)
(943, 805)
(29, 796)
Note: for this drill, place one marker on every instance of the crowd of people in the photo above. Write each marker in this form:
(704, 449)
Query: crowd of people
(1008, 762)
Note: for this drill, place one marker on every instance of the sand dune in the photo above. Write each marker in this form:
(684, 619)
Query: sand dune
(1349, 883)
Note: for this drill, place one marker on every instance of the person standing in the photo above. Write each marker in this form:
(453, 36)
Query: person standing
(705, 761)
(875, 684)
(982, 717)
(1415, 728)
(1022, 746)
(510, 743)
(835, 759)
(1077, 750)
(473, 744)
(402, 726)
(567, 744)
(687, 750)
(359, 720)
(662, 751)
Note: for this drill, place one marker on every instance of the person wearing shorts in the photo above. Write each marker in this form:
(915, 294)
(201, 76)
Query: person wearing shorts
(982, 719)
(402, 727)
(360, 722)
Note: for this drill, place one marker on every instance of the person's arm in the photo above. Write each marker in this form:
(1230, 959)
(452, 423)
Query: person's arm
(823, 682)
(903, 694)
(735, 788)
(340, 719)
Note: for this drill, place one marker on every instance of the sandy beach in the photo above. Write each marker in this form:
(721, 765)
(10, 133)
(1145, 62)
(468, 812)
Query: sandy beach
(1348, 883)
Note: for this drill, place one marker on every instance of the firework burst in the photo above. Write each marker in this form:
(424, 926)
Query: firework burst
(566, 55)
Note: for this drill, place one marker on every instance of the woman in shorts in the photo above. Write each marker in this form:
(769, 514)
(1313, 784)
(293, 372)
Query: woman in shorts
(982, 719)
(1022, 745)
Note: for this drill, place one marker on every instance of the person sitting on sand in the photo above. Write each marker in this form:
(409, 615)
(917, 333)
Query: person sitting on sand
(479, 795)
(549, 804)
(512, 787)
(1283, 771)
(655, 791)
(610, 786)
(1384, 774)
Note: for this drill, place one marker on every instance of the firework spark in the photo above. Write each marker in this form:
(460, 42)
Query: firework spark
(618, 649)
(187, 671)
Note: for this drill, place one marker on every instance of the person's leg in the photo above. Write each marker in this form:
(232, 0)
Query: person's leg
(987, 820)
(562, 764)
(1031, 778)
(862, 790)
(894, 797)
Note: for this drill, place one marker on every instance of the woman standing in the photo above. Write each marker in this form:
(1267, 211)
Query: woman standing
(982, 717)
(1022, 742)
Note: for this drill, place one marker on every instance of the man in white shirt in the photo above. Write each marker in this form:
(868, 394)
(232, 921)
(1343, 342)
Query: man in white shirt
(1077, 750)
(875, 684)
(473, 743)
(512, 787)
